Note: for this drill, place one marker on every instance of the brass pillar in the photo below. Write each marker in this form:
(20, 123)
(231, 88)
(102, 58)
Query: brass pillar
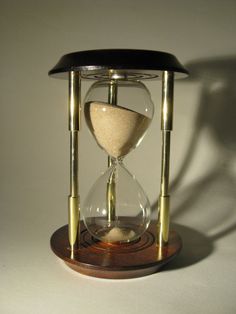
(74, 127)
(111, 186)
(112, 99)
(166, 127)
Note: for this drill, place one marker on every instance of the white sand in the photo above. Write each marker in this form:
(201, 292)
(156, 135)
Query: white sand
(116, 129)
(118, 235)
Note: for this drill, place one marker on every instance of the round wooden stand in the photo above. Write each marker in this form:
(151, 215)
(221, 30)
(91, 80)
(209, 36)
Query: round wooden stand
(98, 259)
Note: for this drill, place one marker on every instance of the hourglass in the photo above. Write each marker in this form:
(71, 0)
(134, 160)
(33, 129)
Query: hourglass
(112, 235)
(118, 124)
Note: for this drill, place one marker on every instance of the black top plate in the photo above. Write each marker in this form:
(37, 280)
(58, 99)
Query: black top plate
(97, 64)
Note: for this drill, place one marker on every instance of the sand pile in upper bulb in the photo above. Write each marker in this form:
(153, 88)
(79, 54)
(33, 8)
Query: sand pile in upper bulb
(116, 129)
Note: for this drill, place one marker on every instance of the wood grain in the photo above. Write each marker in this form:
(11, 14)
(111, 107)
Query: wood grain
(98, 259)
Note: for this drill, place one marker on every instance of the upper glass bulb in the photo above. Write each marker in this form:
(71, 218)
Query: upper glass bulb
(118, 123)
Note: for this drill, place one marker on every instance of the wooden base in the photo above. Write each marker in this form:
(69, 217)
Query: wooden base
(94, 258)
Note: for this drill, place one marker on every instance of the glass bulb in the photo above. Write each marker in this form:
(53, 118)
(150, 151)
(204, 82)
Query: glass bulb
(116, 209)
(118, 126)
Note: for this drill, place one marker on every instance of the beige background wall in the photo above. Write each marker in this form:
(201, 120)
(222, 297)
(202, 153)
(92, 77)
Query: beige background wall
(34, 152)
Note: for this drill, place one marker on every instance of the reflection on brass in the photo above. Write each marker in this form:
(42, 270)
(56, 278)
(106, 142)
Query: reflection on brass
(74, 166)
(166, 127)
(164, 206)
(112, 93)
(73, 219)
(112, 99)
(167, 101)
(111, 187)
(160, 252)
(74, 101)
(165, 163)
(74, 127)
(111, 198)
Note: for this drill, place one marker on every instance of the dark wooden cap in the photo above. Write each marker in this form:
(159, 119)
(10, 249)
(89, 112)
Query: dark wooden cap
(142, 64)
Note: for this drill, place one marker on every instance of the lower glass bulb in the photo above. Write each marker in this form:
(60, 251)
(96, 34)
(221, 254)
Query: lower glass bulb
(116, 209)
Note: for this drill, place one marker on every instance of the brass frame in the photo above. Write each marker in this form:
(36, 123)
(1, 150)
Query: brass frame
(166, 128)
(74, 128)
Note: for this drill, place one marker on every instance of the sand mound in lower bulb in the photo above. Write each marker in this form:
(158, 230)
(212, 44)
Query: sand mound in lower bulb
(116, 129)
(118, 235)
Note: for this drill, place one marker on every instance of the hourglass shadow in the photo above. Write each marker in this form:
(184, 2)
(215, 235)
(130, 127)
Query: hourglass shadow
(196, 247)
(217, 114)
(216, 110)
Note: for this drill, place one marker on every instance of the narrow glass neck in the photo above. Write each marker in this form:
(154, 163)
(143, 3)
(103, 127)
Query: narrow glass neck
(116, 161)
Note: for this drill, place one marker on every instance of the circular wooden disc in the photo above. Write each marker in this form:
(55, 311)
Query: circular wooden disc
(98, 259)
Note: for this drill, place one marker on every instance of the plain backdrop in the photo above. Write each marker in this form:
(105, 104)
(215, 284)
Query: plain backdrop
(34, 163)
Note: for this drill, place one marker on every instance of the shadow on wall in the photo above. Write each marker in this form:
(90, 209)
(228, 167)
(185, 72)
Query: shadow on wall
(217, 107)
(217, 114)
